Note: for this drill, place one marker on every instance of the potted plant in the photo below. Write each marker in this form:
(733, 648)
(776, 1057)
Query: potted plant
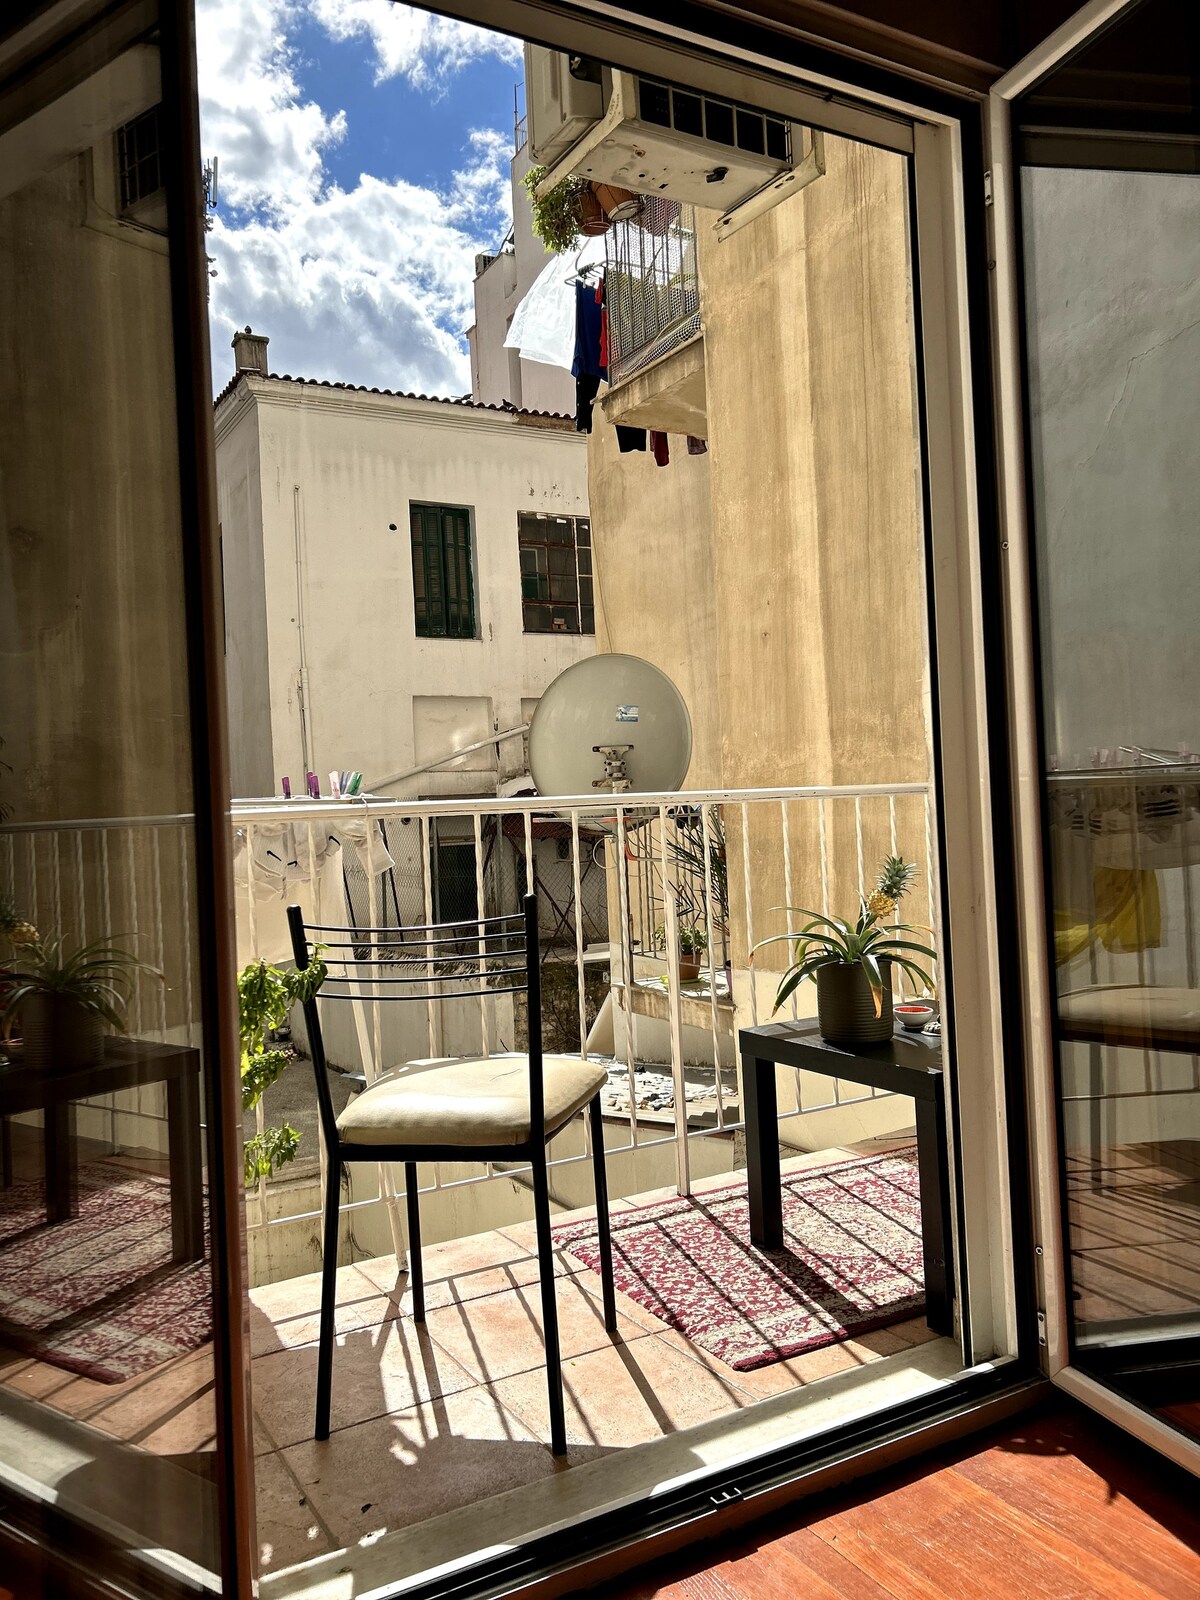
(575, 207)
(693, 942)
(852, 962)
(65, 1003)
(266, 996)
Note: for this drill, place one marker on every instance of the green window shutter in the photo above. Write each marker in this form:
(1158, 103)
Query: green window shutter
(443, 581)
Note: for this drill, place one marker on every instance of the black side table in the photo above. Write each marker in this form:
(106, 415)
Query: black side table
(908, 1064)
(127, 1064)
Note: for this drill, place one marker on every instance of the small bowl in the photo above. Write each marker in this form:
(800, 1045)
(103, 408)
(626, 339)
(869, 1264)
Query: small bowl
(913, 1015)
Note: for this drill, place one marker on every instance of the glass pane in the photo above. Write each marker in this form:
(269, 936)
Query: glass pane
(106, 1293)
(1110, 216)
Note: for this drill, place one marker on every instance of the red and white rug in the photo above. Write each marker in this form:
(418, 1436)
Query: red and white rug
(852, 1261)
(99, 1295)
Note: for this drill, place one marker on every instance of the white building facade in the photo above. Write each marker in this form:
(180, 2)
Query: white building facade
(403, 577)
(498, 374)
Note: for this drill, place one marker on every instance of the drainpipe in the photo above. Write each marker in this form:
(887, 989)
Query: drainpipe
(302, 679)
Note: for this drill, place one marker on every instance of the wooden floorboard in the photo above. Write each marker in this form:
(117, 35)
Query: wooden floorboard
(1056, 1506)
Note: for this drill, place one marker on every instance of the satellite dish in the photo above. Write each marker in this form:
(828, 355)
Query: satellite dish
(610, 722)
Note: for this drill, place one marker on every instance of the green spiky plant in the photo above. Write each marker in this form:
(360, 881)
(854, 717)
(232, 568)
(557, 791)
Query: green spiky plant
(266, 996)
(97, 977)
(869, 941)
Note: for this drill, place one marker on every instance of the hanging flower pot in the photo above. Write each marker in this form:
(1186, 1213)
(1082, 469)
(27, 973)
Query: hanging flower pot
(617, 204)
(592, 217)
(846, 1005)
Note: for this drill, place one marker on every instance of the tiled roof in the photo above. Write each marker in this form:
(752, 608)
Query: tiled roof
(465, 403)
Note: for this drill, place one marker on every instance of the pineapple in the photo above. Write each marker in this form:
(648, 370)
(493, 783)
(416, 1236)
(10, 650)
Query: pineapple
(895, 880)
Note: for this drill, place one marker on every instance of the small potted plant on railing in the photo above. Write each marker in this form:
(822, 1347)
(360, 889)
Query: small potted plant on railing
(852, 963)
(64, 1003)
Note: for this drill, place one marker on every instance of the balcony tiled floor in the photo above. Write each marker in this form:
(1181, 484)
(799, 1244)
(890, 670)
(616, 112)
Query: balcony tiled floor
(430, 1419)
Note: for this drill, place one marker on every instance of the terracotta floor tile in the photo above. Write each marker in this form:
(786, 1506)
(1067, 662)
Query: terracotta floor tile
(169, 1411)
(624, 1396)
(494, 1249)
(502, 1334)
(286, 1314)
(401, 1469)
(804, 1369)
(289, 1531)
(377, 1370)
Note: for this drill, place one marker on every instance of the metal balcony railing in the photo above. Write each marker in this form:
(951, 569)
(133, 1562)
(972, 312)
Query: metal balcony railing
(652, 286)
(617, 880)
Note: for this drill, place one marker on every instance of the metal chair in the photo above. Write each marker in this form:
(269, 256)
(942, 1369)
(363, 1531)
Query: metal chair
(482, 1108)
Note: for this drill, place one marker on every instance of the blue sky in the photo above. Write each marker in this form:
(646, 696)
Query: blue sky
(364, 152)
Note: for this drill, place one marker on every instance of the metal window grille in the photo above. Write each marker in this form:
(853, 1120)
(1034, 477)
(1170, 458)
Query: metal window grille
(139, 158)
(556, 573)
(652, 287)
(443, 581)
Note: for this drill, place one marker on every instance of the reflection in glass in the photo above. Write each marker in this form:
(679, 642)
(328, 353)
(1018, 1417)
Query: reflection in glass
(1110, 215)
(105, 1287)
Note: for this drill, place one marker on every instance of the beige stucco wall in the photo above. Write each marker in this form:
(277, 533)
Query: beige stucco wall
(92, 670)
(779, 579)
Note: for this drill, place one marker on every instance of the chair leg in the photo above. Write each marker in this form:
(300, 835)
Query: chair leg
(329, 1261)
(602, 1222)
(545, 1244)
(416, 1267)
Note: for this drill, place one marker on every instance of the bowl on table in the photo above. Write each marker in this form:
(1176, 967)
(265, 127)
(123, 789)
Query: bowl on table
(913, 1015)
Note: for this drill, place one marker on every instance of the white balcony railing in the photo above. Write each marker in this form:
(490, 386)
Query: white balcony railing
(616, 879)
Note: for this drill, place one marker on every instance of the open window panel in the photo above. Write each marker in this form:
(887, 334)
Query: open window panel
(811, 1262)
(798, 554)
(1096, 162)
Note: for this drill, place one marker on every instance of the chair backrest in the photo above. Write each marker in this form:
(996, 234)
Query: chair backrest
(480, 956)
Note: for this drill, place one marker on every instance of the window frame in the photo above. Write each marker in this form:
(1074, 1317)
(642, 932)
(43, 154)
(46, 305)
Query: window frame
(460, 540)
(540, 570)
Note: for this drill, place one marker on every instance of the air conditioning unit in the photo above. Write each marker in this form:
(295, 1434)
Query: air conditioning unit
(563, 99)
(655, 138)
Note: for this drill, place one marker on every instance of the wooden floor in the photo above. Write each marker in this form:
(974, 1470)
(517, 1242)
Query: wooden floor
(1059, 1506)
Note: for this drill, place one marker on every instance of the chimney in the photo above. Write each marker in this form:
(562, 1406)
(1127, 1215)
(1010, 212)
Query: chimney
(250, 352)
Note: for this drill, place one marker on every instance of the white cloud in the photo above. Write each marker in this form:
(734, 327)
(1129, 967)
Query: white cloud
(370, 284)
(413, 44)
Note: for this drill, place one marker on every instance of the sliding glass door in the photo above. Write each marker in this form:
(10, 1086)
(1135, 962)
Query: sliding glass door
(1106, 250)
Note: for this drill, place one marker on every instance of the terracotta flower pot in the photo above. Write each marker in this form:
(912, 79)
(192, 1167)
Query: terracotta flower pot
(689, 967)
(59, 1035)
(592, 218)
(617, 204)
(846, 1005)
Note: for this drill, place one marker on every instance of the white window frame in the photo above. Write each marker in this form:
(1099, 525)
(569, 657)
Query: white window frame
(1037, 998)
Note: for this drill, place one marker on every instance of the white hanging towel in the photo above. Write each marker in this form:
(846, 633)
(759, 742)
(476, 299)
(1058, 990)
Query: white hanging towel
(543, 325)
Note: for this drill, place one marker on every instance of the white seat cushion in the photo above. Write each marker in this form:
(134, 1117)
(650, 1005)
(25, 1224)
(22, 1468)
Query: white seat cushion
(1135, 1015)
(467, 1101)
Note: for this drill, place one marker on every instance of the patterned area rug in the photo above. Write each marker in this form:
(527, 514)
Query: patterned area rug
(851, 1263)
(99, 1295)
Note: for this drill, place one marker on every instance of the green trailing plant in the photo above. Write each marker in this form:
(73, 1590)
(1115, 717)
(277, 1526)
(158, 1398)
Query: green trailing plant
(266, 996)
(867, 942)
(557, 216)
(97, 977)
(692, 941)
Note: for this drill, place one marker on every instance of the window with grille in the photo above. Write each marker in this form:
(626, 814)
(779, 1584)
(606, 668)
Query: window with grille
(556, 573)
(139, 159)
(443, 580)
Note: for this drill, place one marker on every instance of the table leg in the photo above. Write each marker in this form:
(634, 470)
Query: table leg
(58, 1142)
(187, 1179)
(762, 1153)
(6, 1170)
(935, 1213)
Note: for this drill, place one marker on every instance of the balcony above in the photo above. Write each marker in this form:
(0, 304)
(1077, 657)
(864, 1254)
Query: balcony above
(668, 395)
